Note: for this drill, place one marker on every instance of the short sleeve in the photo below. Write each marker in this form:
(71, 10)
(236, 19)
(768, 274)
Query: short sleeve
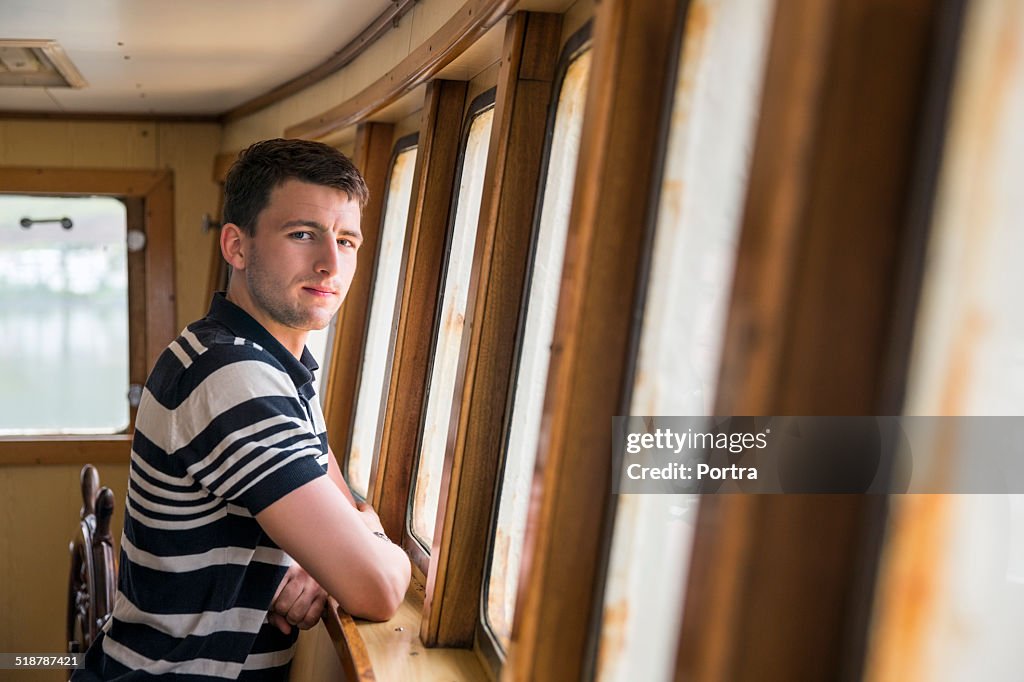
(238, 426)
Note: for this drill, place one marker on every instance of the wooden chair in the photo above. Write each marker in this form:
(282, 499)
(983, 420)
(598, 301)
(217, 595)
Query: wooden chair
(93, 579)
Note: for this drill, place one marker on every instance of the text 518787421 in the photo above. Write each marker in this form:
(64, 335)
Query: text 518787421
(19, 661)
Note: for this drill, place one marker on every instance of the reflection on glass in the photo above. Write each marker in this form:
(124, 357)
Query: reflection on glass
(449, 338)
(63, 316)
(373, 380)
(531, 379)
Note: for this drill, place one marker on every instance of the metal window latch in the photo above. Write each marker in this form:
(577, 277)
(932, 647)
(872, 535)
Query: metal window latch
(134, 394)
(65, 222)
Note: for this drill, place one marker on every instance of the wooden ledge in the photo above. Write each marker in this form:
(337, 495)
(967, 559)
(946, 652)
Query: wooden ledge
(29, 450)
(392, 650)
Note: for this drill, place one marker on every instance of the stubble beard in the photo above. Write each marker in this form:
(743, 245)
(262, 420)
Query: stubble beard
(270, 296)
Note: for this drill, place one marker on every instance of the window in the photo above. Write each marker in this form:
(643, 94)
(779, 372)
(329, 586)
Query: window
(719, 74)
(319, 344)
(506, 543)
(448, 337)
(967, 360)
(64, 296)
(384, 302)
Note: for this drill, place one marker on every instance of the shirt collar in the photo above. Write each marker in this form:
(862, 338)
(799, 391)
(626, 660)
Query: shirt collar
(244, 325)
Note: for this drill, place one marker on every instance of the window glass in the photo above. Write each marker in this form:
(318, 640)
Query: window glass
(319, 344)
(531, 379)
(449, 336)
(700, 208)
(950, 594)
(373, 382)
(63, 315)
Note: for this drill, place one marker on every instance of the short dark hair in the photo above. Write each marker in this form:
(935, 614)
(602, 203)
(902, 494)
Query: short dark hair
(265, 165)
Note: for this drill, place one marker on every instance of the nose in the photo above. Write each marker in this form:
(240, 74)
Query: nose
(328, 259)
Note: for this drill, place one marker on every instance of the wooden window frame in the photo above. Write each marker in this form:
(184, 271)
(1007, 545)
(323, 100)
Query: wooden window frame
(419, 555)
(836, 218)
(613, 204)
(372, 156)
(403, 144)
(433, 187)
(526, 76)
(148, 196)
(575, 47)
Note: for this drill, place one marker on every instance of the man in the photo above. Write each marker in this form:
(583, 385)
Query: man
(228, 462)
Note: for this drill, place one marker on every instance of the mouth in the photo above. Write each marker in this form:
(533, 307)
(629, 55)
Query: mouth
(320, 291)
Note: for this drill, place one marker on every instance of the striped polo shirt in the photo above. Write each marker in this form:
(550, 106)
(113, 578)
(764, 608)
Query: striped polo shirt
(228, 424)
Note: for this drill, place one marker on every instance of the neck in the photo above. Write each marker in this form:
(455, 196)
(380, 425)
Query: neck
(294, 340)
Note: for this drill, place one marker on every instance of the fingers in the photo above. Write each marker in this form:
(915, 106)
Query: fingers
(306, 617)
(299, 601)
(280, 623)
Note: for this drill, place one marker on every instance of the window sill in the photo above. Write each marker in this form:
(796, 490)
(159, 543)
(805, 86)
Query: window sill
(392, 650)
(32, 450)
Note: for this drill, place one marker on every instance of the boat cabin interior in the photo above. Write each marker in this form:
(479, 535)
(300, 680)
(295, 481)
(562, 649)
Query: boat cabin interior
(590, 222)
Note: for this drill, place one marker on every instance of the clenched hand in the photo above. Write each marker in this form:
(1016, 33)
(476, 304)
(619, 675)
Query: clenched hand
(299, 601)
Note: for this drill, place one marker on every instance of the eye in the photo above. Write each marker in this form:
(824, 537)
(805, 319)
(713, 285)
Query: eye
(301, 235)
(346, 242)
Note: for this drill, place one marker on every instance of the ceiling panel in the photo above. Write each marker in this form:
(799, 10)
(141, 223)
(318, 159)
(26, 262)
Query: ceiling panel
(181, 57)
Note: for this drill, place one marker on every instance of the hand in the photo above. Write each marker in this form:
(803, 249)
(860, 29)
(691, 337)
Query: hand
(299, 601)
(369, 517)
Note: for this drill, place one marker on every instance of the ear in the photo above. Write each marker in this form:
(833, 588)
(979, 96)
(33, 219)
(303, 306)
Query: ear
(232, 245)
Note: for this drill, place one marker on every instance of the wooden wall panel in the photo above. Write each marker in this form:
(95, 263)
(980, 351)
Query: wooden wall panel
(186, 149)
(39, 508)
(190, 151)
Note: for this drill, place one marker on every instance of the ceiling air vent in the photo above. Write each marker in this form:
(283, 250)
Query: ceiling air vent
(37, 63)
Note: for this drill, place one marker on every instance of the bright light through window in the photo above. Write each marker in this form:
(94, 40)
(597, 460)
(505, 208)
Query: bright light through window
(373, 382)
(63, 315)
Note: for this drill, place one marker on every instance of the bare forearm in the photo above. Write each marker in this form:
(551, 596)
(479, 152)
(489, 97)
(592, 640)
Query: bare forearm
(366, 574)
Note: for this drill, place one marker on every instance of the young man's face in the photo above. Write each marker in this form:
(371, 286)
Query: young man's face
(300, 262)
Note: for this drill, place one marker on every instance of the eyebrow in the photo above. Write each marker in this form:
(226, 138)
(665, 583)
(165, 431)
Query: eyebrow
(320, 227)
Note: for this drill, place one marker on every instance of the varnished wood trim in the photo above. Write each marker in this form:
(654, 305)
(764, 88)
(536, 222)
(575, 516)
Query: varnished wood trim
(591, 354)
(467, 25)
(161, 325)
(138, 368)
(382, 24)
(372, 153)
(79, 181)
(455, 578)
(398, 654)
(348, 645)
(433, 187)
(76, 450)
(809, 332)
